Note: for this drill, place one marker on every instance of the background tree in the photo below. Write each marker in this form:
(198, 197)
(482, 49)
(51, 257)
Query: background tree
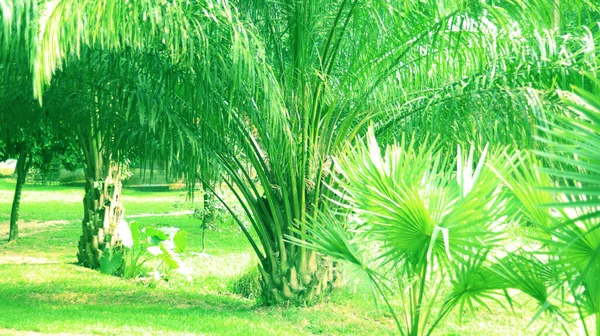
(26, 130)
(165, 82)
(28, 136)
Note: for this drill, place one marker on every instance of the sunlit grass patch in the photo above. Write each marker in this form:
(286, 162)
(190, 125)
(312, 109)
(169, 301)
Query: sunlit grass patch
(67, 298)
(43, 290)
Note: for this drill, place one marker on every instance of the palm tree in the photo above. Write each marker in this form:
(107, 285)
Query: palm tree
(338, 64)
(124, 113)
(105, 95)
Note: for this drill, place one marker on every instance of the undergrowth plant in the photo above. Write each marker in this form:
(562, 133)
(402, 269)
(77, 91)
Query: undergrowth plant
(163, 245)
(210, 215)
(421, 226)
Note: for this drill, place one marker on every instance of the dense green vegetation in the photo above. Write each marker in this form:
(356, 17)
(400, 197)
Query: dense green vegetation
(444, 154)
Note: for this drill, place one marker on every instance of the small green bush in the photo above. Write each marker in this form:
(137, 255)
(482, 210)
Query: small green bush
(247, 284)
(162, 244)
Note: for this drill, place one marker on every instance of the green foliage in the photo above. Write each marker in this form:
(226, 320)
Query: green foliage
(162, 244)
(418, 223)
(576, 145)
(561, 201)
(111, 261)
(165, 243)
(180, 241)
(135, 255)
(247, 284)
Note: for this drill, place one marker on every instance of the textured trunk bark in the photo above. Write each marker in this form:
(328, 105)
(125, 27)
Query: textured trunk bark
(289, 273)
(23, 164)
(304, 282)
(102, 208)
(103, 211)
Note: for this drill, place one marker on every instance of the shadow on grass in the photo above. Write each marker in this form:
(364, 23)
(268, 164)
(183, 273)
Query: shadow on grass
(67, 298)
(64, 298)
(56, 242)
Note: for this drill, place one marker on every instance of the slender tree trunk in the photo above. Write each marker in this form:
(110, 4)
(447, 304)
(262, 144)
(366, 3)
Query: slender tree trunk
(597, 322)
(203, 239)
(23, 164)
(209, 214)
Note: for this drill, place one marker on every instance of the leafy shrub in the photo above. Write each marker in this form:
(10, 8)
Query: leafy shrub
(247, 284)
(111, 261)
(140, 246)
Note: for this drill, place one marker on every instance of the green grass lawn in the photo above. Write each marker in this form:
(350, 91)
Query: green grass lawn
(48, 203)
(43, 291)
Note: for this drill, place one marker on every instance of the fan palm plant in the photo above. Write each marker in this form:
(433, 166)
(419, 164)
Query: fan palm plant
(562, 205)
(416, 223)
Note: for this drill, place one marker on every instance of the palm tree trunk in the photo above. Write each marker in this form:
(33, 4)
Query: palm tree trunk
(295, 284)
(289, 273)
(23, 164)
(102, 213)
(103, 210)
